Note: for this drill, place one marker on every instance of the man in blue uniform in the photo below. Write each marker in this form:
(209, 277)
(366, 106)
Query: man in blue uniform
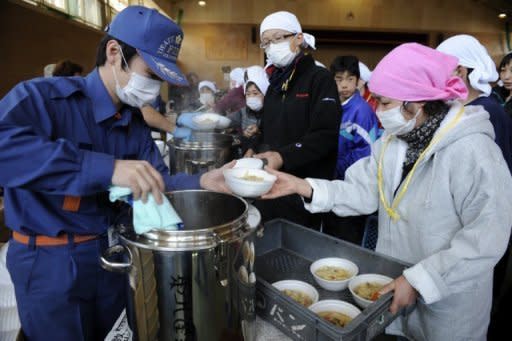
(63, 142)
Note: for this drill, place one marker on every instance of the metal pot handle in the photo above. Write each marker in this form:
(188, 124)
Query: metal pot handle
(116, 266)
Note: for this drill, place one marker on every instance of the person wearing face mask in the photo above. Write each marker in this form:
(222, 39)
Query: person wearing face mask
(359, 129)
(300, 123)
(207, 91)
(442, 190)
(64, 141)
(246, 121)
(234, 100)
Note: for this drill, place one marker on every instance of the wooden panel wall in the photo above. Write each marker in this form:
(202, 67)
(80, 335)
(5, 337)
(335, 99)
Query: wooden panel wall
(453, 15)
(29, 40)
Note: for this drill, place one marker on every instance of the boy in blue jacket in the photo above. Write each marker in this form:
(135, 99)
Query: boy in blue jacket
(359, 125)
(359, 128)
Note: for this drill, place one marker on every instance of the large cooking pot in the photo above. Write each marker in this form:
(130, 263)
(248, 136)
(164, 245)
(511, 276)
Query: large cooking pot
(202, 151)
(196, 283)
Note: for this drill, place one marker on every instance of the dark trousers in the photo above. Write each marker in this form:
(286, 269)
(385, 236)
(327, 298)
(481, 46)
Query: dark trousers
(63, 293)
(350, 229)
(291, 208)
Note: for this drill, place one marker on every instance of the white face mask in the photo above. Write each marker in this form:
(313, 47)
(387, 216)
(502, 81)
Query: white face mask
(255, 103)
(139, 90)
(206, 99)
(394, 121)
(280, 54)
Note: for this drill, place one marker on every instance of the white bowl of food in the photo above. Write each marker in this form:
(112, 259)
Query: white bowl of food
(223, 122)
(301, 292)
(206, 121)
(249, 183)
(339, 313)
(333, 273)
(249, 162)
(365, 288)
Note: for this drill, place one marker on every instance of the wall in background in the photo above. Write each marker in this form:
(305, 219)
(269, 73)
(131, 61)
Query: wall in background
(29, 40)
(226, 32)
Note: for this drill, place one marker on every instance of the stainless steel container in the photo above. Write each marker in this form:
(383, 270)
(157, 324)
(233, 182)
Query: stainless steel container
(197, 283)
(202, 151)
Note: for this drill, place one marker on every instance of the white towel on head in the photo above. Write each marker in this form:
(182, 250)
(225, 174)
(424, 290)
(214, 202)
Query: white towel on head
(237, 75)
(286, 21)
(472, 55)
(209, 84)
(257, 75)
(364, 72)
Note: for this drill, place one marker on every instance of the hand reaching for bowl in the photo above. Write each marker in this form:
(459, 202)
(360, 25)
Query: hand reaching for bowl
(287, 184)
(404, 294)
(214, 179)
(274, 159)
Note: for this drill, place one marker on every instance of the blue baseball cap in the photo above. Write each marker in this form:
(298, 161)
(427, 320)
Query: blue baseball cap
(156, 38)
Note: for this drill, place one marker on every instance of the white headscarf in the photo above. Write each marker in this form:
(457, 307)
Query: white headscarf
(320, 64)
(364, 72)
(48, 70)
(257, 75)
(210, 85)
(237, 75)
(285, 21)
(472, 55)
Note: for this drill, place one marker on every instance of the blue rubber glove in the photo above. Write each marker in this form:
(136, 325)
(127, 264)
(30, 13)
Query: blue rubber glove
(182, 133)
(186, 119)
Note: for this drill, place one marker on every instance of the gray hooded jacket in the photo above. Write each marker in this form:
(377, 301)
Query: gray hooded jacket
(454, 225)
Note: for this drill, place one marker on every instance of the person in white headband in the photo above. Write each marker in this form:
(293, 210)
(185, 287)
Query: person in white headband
(275, 30)
(246, 120)
(477, 70)
(236, 77)
(301, 115)
(362, 85)
(207, 91)
(480, 69)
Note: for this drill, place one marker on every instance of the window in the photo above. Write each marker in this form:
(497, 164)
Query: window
(96, 13)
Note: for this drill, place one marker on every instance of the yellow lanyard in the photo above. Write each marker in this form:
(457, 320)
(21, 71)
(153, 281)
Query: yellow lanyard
(391, 209)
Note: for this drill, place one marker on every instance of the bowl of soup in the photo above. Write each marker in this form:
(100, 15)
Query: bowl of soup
(365, 288)
(206, 122)
(339, 313)
(301, 292)
(333, 273)
(247, 182)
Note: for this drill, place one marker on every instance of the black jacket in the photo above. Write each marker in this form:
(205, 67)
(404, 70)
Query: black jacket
(501, 94)
(302, 124)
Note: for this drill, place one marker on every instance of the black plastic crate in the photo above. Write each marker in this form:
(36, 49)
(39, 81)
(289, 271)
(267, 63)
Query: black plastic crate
(285, 251)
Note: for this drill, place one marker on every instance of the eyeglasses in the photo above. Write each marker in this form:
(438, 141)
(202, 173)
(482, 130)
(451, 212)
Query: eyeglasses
(275, 40)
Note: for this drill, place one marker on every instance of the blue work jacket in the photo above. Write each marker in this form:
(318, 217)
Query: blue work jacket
(59, 138)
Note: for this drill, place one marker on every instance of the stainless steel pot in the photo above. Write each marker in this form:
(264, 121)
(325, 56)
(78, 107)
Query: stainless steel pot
(202, 151)
(197, 283)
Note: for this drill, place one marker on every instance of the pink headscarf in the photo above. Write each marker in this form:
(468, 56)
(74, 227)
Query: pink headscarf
(413, 72)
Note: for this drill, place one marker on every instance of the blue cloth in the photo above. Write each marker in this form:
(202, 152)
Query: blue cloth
(149, 215)
(186, 120)
(359, 129)
(182, 133)
(62, 293)
(502, 124)
(59, 137)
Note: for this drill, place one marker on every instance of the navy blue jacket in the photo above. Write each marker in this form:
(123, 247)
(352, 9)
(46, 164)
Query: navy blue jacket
(502, 124)
(59, 138)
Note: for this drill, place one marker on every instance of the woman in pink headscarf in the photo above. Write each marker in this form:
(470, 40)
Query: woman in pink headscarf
(441, 187)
